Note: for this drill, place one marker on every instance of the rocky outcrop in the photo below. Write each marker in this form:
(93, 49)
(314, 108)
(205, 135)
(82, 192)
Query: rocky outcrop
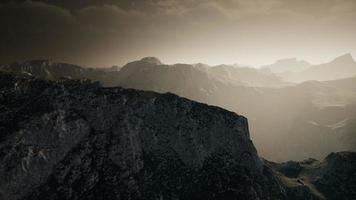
(72, 139)
(334, 178)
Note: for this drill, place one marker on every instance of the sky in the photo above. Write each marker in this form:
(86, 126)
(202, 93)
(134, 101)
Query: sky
(102, 33)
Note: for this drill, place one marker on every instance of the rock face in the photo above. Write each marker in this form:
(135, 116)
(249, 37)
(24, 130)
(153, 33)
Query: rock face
(334, 178)
(76, 140)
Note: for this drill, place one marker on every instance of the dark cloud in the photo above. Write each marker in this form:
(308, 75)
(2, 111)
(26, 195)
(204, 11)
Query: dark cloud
(149, 6)
(34, 17)
(105, 32)
(31, 29)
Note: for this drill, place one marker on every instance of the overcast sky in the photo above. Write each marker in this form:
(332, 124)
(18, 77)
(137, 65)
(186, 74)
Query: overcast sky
(101, 33)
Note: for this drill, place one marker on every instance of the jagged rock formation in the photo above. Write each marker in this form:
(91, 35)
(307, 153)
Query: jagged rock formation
(73, 139)
(334, 178)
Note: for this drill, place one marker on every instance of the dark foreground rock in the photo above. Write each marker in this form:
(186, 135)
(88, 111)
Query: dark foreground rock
(334, 178)
(73, 139)
(76, 140)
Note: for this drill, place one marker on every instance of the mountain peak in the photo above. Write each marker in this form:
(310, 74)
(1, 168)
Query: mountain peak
(151, 60)
(288, 65)
(344, 58)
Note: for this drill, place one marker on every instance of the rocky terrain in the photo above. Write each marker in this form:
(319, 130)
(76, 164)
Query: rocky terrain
(332, 178)
(72, 139)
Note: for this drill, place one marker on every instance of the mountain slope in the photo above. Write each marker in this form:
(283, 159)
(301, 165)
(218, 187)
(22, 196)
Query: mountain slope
(289, 65)
(46, 69)
(333, 178)
(341, 67)
(346, 83)
(246, 76)
(72, 139)
(76, 140)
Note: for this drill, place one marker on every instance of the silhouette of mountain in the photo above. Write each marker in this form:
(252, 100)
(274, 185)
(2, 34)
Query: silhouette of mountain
(288, 65)
(245, 75)
(339, 68)
(156, 71)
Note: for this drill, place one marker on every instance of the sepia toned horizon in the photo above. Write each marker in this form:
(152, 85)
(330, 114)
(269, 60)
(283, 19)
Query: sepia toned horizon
(104, 33)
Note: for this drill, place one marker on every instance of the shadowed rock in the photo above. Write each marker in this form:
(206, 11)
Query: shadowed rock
(73, 139)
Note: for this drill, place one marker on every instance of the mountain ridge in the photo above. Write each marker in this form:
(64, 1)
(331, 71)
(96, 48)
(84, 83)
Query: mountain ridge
(137, 144)
(288, 65)
(78, 140)
(306, 110)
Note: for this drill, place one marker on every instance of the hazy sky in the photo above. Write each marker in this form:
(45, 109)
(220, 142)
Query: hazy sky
(108, 32)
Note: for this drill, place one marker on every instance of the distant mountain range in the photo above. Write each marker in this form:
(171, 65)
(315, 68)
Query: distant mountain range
(289, 65)
(293, 70)
(341, 67)
(287, 120)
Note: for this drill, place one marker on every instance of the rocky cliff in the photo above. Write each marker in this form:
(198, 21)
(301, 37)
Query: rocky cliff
(72, 139)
